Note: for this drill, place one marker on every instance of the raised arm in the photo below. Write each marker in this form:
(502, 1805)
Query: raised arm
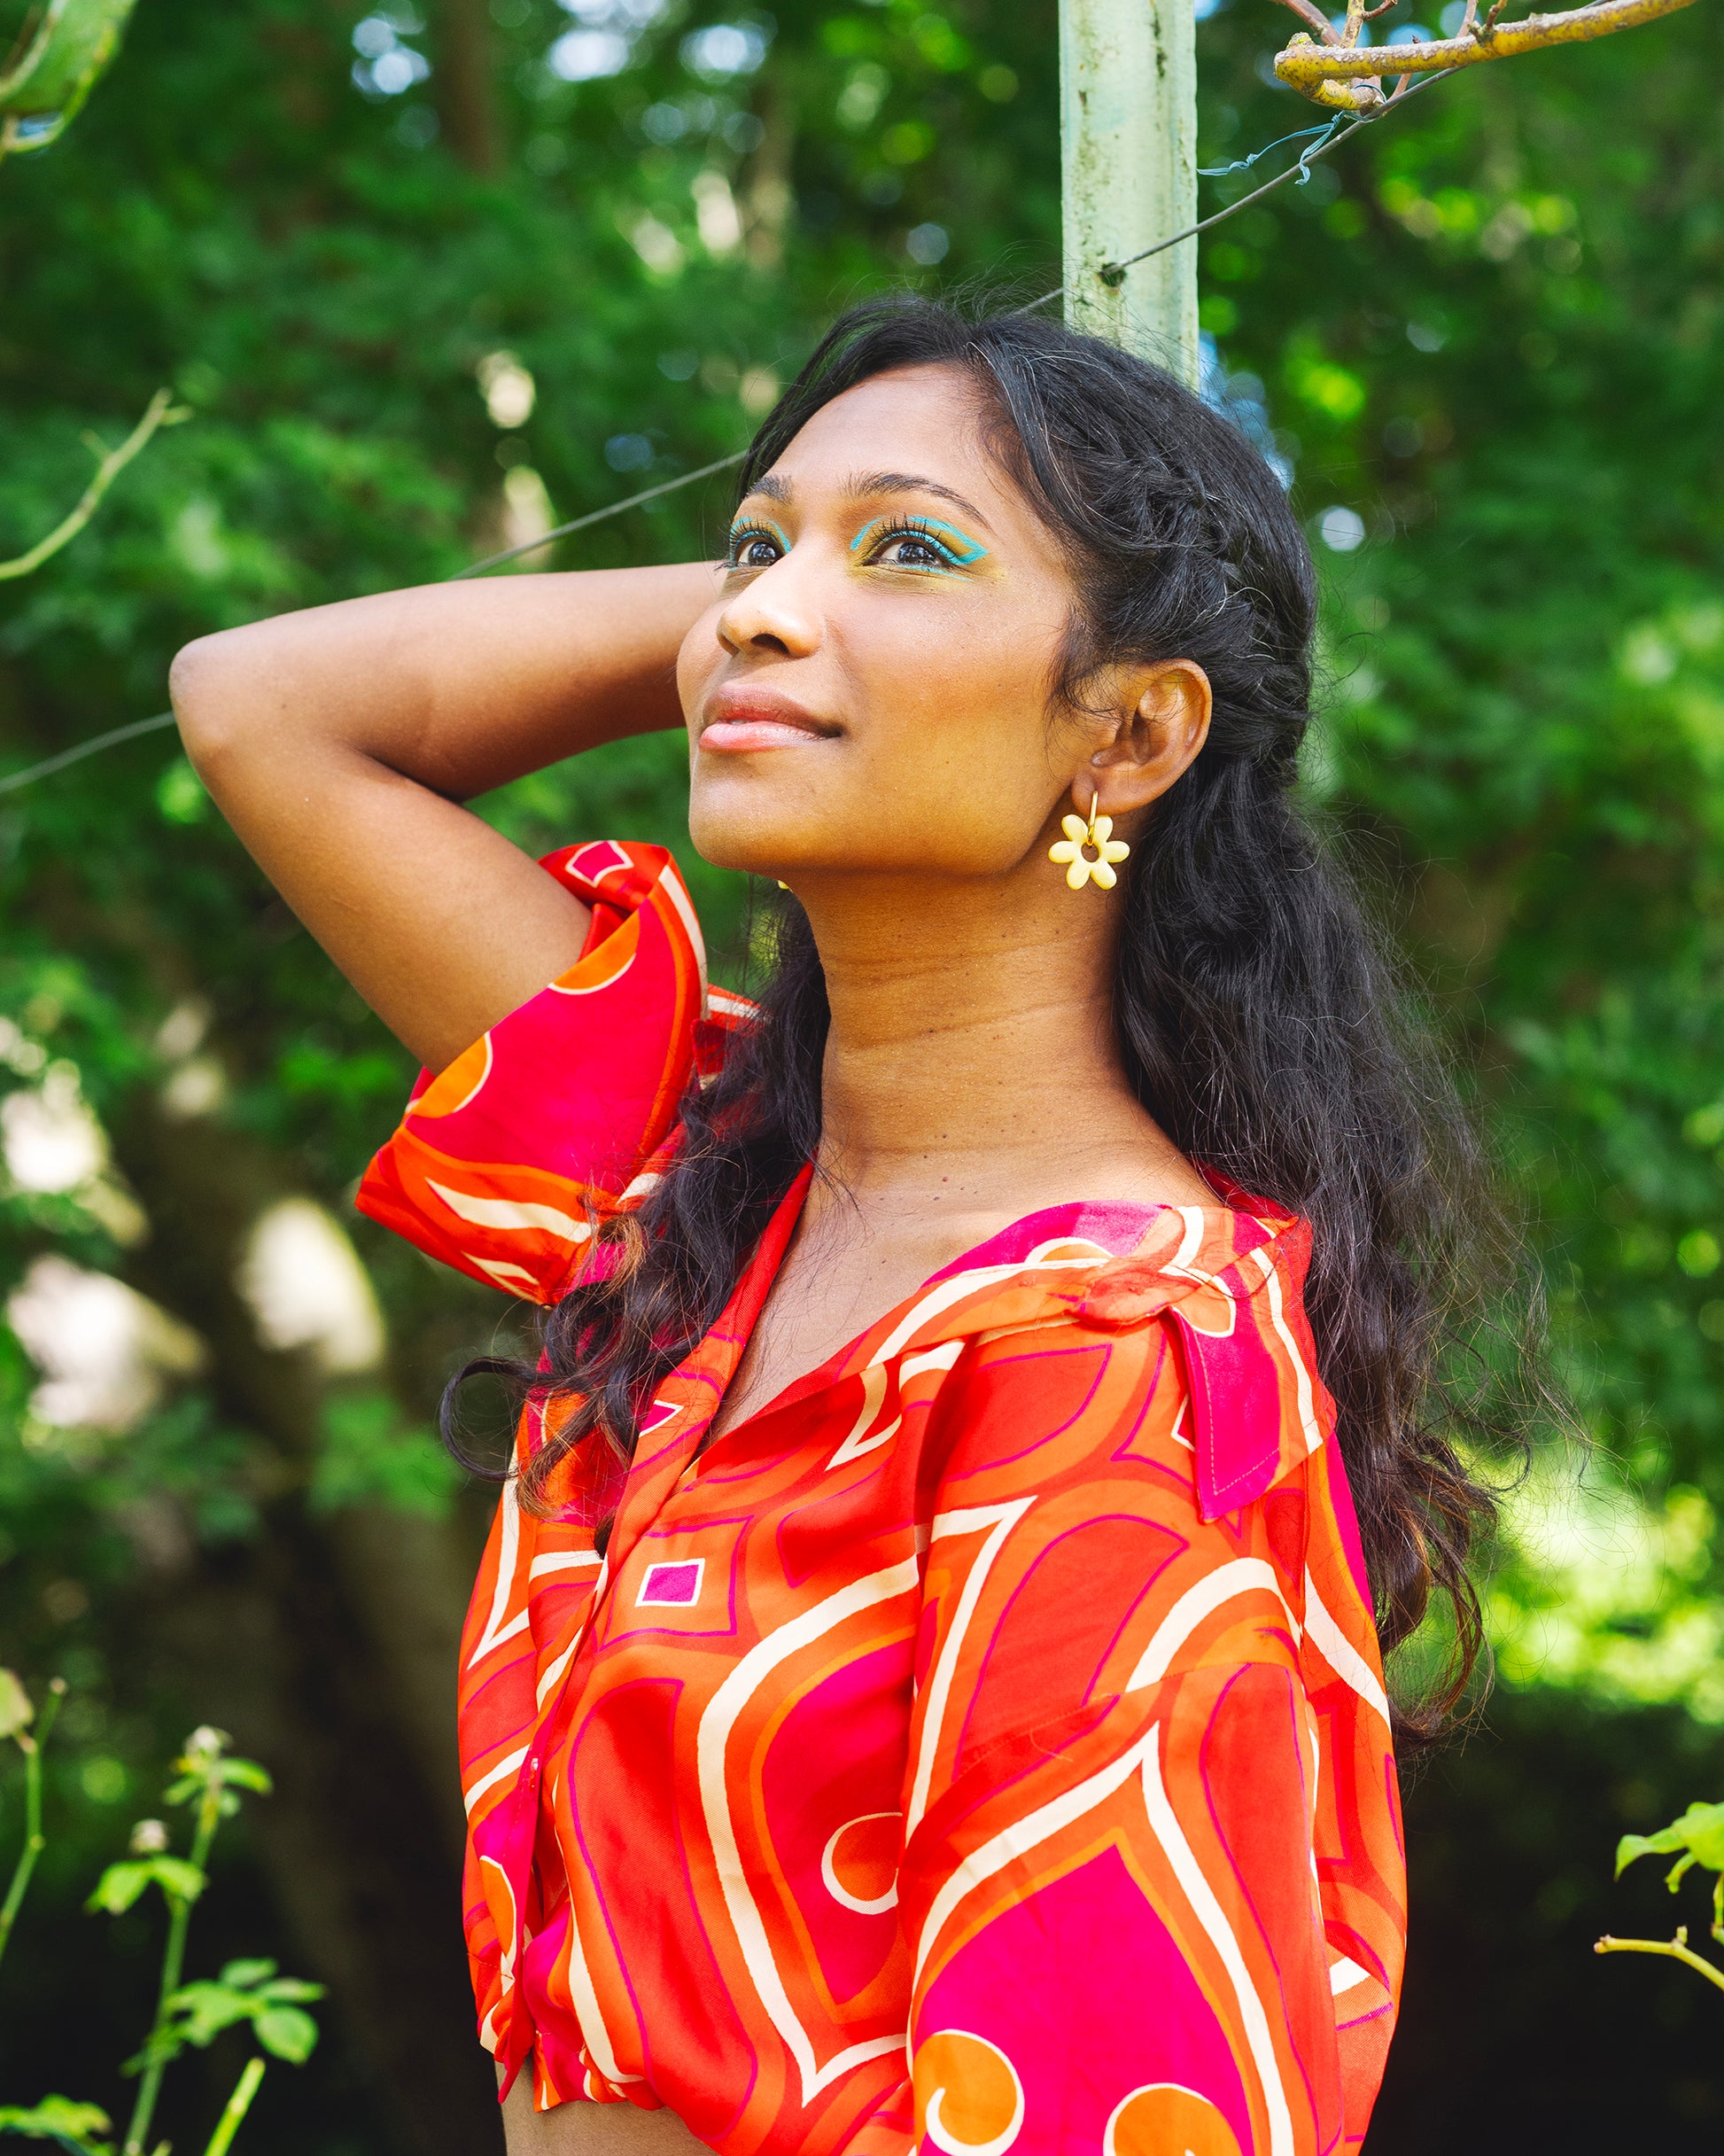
(340, 742)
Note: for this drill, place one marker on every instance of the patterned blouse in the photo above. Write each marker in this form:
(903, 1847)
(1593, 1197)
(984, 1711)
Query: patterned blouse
(983, 1746)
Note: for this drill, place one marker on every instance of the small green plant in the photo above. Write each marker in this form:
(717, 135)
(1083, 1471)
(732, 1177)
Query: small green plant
(1696, 1838)
(74, 2126)
(16, 1714)
(209, 1780)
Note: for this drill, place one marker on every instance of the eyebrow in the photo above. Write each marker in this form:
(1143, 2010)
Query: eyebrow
(862, 484)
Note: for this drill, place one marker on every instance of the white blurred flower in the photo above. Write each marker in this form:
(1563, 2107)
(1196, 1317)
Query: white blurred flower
(197, 1088)
(182, 1032)
(508, 390)
(583, 56)
(656, 244)
(19, 1052)
(724, 50)
(103, 1350)
(307, 1289)
(49, 1140)
(527, 512)
(715, 213)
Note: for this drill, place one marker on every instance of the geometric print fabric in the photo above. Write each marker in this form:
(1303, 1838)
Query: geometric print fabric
(982, 1747)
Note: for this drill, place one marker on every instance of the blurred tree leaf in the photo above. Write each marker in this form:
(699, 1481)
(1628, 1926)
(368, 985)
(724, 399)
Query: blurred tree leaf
(16, 1712)
(122, 1884)
(1696, 1838)
(56, 2118)
(249, 1991)
(44, 83)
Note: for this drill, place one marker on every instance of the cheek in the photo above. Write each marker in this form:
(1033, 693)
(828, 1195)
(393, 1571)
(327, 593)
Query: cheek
(699, 658)
(962, 701)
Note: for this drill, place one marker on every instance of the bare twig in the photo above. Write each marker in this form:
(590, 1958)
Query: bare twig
(1344, 74)
(1675, 1949)
(238, 2104)
(35, 1840)
(161, 412)
(1314, 19)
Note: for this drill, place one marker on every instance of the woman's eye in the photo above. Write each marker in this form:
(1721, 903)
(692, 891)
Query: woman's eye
(913, 550)
(755, 550)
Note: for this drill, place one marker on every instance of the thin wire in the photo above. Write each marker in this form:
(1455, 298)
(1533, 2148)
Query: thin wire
(51, 764)
(597, 516)
(86, 748)
(1301, 165)
(1244, 164)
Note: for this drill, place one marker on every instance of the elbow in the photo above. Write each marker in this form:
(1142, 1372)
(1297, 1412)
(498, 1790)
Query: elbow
(207, 686)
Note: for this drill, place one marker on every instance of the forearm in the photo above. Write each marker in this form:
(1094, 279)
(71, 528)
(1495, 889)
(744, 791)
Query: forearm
(340, 743)
(458, 687)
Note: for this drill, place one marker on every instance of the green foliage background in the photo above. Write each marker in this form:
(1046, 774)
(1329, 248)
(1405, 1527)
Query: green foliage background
(1491, 327)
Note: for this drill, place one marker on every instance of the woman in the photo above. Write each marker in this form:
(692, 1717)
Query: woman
(923, 1685)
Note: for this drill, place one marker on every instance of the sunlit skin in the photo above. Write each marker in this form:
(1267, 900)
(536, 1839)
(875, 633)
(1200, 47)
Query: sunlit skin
(870, 721)
(867, 687)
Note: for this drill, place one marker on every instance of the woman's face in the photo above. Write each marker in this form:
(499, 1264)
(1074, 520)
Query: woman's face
(870, 693)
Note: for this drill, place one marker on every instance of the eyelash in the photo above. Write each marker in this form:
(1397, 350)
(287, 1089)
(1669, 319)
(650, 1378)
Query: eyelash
(912, 527)
(908, 527)
(742, 534)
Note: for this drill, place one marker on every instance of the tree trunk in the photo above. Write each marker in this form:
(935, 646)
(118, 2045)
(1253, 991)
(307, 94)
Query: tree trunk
(465, 88)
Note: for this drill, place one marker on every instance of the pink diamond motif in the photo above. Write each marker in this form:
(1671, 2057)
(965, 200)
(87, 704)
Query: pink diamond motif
(675, 1585)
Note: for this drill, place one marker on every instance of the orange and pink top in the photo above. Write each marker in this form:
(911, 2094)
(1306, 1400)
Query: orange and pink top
(982, 1747)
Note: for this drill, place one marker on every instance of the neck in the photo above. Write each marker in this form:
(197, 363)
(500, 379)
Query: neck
(972, 1033)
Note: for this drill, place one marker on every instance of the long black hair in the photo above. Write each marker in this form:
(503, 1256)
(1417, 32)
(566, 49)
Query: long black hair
(1260, 1022)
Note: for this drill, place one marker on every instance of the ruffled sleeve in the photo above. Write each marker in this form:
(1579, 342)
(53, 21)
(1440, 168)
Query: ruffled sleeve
(506, 1162)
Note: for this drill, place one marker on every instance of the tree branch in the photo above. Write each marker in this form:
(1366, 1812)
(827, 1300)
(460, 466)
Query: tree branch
(1313, 18)
(1347, 75)
(161, 412)
(1675, 1950)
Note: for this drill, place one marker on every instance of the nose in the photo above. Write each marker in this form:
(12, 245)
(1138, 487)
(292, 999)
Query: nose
(774, 614)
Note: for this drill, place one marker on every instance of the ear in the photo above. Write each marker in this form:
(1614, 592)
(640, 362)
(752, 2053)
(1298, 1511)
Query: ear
(1163, 722)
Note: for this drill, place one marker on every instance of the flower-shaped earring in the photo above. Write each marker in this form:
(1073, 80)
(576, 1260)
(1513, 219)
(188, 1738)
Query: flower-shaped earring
(1097, 834)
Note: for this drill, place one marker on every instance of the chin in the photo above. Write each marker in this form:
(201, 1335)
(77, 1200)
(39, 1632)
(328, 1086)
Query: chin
(752, 838)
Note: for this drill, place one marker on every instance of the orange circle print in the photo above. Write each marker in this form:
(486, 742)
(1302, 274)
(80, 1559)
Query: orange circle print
(969, 2101)
(1165, 2120)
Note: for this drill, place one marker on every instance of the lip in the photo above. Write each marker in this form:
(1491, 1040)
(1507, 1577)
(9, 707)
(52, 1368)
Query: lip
(742, 721)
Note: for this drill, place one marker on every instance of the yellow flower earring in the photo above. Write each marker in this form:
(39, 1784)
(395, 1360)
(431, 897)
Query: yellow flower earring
(1097, 834)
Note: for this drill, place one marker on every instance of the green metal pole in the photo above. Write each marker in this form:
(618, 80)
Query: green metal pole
(1128, 132)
